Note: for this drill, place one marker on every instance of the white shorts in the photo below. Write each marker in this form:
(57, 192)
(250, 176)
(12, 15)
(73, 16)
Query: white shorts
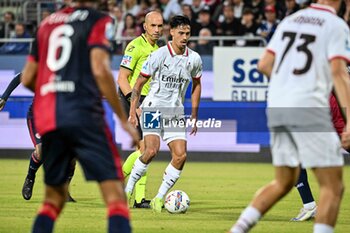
(168, 132)
(292, 147)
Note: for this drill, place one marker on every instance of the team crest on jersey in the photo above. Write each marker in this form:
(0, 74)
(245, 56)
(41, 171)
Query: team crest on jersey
(126, 60)
(131, 48)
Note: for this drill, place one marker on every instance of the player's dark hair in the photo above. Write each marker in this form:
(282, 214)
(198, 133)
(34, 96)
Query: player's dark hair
(179, 20)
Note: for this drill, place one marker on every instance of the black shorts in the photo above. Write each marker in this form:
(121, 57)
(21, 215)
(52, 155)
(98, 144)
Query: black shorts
(92, 146)
(126, 107)
(31, 127)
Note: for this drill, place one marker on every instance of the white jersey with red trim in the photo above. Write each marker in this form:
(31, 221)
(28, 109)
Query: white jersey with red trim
(304, 44)
(171, 75)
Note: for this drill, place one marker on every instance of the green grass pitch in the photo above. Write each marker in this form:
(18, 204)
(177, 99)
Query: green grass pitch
(218, 193)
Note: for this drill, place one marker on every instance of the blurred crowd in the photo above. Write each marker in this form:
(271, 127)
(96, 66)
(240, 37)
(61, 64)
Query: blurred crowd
(243, 18)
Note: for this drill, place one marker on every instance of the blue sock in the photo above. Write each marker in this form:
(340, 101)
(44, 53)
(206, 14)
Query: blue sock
(118, 218)
(43, 224)
(304, 188)
(46, 218)
(34, 165)
(118, 224)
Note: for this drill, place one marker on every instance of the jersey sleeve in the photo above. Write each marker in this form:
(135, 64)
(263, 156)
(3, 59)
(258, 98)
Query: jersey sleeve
(274, 43)
(150, 66)
(34, 54)
(102, 33)
(131, 56)
(196, 72)
(339, 43)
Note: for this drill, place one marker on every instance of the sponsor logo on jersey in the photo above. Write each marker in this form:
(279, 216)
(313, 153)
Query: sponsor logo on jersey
(126, 60)
(173, 81)
(56, 84)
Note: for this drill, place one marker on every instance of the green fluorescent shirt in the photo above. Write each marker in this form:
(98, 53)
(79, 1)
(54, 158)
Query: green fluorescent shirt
(136, 53)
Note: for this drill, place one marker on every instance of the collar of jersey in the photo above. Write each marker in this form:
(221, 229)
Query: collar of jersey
(143, 36)
(172, 52)
(323, 7)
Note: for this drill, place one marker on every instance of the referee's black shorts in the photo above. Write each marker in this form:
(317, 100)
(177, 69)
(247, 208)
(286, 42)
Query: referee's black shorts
(126, 107)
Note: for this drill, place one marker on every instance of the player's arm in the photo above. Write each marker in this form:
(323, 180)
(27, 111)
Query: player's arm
(9, 89)
(266, 62)
(135, 98)
(29, 74)
(342, 92)
(127, 65)
(30, 69)
(195, 99)
(100, 65)
(123, 82)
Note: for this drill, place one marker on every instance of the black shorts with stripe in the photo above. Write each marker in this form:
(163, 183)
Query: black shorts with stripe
(94, 148)
(126, 107)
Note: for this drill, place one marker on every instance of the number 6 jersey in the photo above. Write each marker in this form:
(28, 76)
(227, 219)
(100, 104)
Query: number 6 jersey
(66, 93)
(301, 81)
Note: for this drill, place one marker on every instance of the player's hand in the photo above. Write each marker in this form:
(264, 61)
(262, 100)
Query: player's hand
(345, 140)
(132, 132)
(194, 128)
(2, 103)
(133, 120)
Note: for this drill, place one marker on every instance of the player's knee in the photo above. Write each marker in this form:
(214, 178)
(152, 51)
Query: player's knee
(36, 155)
(179, 159)
(150, 152)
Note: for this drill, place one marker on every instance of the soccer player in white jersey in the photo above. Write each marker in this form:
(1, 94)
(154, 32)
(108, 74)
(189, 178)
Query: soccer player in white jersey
(305, 59)
(172, 68)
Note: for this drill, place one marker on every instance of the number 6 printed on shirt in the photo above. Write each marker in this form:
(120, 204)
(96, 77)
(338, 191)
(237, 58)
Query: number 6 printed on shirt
(59, 38)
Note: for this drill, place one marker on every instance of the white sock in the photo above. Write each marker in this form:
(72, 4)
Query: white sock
(310, 205)
(171, 175)
(249, 217)
(137, 172)
(323, 228)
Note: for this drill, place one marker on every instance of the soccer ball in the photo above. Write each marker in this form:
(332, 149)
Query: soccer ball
(177, 202)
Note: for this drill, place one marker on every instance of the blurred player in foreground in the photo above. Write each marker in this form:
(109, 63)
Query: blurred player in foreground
(171, 67)
(305, 58)
(69, 69)
(35, 158)
(135, 55)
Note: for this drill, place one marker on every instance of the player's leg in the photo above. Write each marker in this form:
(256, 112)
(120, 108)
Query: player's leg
(57, 157)
(309, 205)
(330, 180)
(172, 172)
(285, 159)
(55, 197)
(265, 198)
(152, 144)
(70, 177)
(140, 186)
(100, 161)
(35, 158)
(115, 200)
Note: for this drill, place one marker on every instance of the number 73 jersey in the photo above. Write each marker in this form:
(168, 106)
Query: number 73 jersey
(304, 44)
(66, 93)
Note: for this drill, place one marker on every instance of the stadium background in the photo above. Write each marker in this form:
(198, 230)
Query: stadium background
(229, 71)
(233, 91)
